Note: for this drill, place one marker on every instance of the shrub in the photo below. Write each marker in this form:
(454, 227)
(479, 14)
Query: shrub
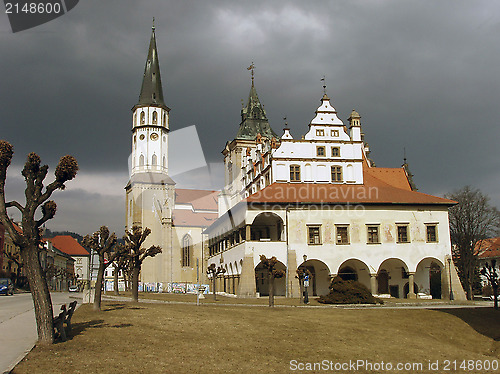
(348, 292)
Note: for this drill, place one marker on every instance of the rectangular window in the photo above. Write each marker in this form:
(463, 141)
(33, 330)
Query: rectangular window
(320, 132)
(294, 173)
(335, 151)
(431, 233)
(320, 151)
(403, 234)
(335, 133)
(336, 173)
(314, 235)
(373, 234)
(342, 234)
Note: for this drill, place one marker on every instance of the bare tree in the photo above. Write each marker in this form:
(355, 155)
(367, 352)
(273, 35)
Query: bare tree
(121, 264)
(108, 250)
(37, 195)
(215, 272)
(301, 274)
(472, 220)
(272, 273)
(490, 273)
(134, 240)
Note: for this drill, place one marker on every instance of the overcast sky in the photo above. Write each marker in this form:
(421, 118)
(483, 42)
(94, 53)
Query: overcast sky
(424, 75)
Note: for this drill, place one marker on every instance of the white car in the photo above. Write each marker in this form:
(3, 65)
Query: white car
(73, 289)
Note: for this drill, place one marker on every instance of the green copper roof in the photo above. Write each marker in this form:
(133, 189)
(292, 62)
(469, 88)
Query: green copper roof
(253, 119)
(151, 91)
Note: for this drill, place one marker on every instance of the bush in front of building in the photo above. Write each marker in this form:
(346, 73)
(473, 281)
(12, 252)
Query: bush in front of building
(348, 292)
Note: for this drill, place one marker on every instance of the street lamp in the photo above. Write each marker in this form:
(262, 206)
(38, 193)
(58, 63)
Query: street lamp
(449, 272)
(306, 282)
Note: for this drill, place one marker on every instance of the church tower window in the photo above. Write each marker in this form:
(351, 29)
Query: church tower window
(187, 249)
(143, 118)
(154, 160)
(141, 160)
(155, 117)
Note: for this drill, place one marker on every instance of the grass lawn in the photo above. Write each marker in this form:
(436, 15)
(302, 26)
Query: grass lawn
(185, 338)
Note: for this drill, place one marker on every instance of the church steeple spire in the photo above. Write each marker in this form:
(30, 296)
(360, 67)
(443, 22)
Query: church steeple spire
(151, 90)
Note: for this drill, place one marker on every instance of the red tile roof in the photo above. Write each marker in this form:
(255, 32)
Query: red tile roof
(200, 199)
(489, 248)
(383, 186)
(68, 245)
(185, 217)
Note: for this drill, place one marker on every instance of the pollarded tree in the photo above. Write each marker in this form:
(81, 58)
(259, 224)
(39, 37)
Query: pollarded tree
(214, 272)
(122, 263)
(490, 273)
(134, 240)
(108, 250)
(28, 240)
(301, 274)
(272, 273)
(472, 220)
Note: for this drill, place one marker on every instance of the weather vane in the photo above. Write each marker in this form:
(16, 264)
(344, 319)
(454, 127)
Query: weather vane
(324, 84)
(251, 67)
(153, 23)
(286, 123)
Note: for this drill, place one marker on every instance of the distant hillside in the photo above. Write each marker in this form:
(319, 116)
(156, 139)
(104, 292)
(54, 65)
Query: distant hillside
(50, 234)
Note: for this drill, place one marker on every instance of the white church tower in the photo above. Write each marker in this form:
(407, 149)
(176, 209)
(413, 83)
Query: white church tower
(150, 190)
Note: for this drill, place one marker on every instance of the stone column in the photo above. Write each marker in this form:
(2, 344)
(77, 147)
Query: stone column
(248, 233)
(411, 288)
(246, 287)
(373, 284)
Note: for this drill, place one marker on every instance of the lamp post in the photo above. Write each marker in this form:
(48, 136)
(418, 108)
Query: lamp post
(449, 272)
(306, 283)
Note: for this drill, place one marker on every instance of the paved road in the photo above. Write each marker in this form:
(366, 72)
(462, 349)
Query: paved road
(18, 327)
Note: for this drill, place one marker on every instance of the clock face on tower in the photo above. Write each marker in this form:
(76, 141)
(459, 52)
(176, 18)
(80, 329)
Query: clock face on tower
(154, 136)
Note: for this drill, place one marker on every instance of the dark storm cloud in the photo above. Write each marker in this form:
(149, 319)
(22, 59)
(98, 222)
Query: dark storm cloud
(423, 75)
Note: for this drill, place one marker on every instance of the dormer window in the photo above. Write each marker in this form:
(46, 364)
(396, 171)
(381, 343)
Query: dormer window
(320, 132)
(335, 133)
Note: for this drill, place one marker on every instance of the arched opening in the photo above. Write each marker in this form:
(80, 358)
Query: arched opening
(347, 273)
(354, 269)
(165, 119)
(406, 289)
(428, 277)
(262, 281)
(143, 118)
(187, 250)
(155, 117)
(141, 160)
(396, 272)
(164, 162)
(320, 278)
(267, 226)
(154, 160)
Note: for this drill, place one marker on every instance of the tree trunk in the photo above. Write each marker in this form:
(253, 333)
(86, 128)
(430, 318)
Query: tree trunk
(301, 293)
(271, 290)
(135, 283)
(495, 300)
(98, 285)
(214, 279)
(115, 281)
(40, 293)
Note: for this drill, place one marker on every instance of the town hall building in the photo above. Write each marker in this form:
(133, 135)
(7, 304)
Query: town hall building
(316, 202)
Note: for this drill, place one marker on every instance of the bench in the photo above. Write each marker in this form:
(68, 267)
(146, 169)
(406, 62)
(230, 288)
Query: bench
(64, 318)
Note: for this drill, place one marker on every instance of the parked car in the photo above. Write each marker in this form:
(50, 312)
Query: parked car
(6, 286)
(73, 288)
